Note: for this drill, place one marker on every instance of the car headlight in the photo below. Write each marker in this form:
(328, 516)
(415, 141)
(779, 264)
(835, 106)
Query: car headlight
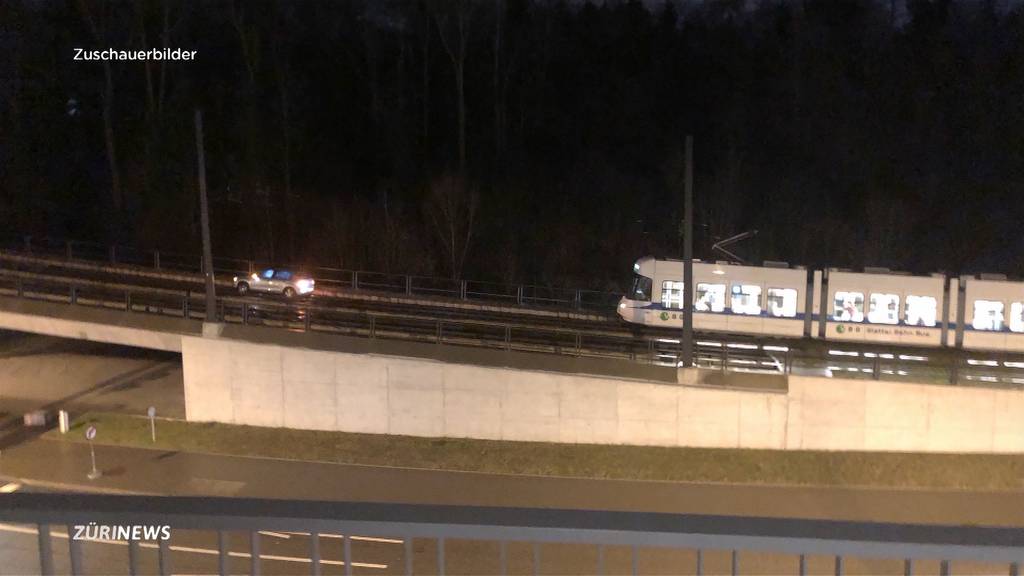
(234, 279)
(254, 276)
(304, 285)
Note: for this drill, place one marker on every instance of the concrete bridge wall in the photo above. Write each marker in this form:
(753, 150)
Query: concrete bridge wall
(260, 384)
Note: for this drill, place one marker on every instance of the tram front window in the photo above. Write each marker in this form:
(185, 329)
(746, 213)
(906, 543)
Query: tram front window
(642, 286)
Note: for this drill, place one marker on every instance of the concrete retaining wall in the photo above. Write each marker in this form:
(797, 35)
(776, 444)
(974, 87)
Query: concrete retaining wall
(270, 385)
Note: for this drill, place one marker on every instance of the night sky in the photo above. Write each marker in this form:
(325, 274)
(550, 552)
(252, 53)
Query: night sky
(522, 141)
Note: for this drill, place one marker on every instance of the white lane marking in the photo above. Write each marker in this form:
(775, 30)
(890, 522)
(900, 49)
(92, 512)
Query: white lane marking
(208, 551)
(360, 538)
(8, 488)
(274, 534)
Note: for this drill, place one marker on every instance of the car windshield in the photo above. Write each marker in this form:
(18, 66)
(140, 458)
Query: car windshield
(283, 275)
(268, 274)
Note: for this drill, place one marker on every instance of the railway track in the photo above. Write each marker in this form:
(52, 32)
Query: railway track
(431, 320)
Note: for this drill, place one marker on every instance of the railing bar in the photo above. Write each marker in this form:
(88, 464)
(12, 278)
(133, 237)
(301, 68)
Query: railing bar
(45, 550)
(408, 556)
(1014, 569)
(74, 551)
(908, 567)
(839, 565)
(164, 557)
(600, 560)
(700, 562)
(503, 557)
(634, 559)
(536, 558)
(440, 556)
(314, 553)
(222, 553)
(735, 563)
(254, 549)
(944, 568)
(803, 565)
(133, 556)
(346, 542)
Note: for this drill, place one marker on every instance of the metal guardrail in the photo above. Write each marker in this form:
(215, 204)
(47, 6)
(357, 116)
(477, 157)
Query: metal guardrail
(410, 285)
(539, 528)
(716, 353)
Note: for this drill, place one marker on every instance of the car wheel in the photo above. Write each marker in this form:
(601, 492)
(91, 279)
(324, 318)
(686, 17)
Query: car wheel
(243, 288)
(289, 292)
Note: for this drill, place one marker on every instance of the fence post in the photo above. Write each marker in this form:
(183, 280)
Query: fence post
(127, 301)
(508, 337)
(440, 331)
(876, 368)
(462, 289)
(185, 304)
(579, 343)
(74, 294)
(725, 357)
(954, 376)
(68, 248)
(789, 361)
(156, 259)
(519, 295)
(373, 326)
(579, 299)
(21, 287)
(113, 254)
(408, 285)
(355, 280)
(308, 319)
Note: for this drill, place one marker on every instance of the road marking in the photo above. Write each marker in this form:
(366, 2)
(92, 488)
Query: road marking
(8, 488)
(360, 538)
(194, 550)
(274, 534)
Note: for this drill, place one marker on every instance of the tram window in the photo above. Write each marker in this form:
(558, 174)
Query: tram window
(921, 311)
(1017, 316)
(672, 294)
(782, 302)
(710, 298)
(884, 309)
(849, 307)
(642, 286)
(988, 315)
(746, 299)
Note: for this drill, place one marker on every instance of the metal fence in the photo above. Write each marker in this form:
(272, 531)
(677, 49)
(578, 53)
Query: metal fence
(592, 535)
(410, 285)
(748, 355)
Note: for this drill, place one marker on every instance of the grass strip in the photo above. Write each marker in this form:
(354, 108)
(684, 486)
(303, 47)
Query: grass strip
(904, 470)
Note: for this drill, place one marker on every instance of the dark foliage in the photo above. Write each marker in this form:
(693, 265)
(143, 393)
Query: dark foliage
(523, 141)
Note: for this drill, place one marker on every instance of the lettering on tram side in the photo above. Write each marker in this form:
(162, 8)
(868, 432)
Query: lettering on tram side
(884, 331)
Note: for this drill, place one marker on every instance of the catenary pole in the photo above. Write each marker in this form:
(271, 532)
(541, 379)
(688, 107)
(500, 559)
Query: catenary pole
(686, 352)
(204, 215)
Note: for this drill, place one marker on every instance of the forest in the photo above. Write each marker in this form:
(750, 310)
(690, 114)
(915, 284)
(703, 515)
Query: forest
(525, 141)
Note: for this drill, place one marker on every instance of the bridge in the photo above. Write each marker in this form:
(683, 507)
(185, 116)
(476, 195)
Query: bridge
(331, 367)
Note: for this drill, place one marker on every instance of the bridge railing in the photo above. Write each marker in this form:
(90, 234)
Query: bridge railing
(712, 352)
(410, 285)
(477, 529)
